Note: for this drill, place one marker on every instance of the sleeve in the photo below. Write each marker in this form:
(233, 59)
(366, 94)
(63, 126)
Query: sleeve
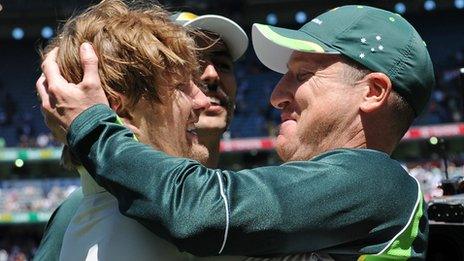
(293, 208)
(50, 245)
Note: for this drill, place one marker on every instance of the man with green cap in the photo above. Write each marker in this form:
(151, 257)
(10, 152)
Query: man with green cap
(355, 78)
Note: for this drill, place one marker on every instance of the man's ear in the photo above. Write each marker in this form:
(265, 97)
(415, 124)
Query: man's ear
(120, 105)
(377, 91)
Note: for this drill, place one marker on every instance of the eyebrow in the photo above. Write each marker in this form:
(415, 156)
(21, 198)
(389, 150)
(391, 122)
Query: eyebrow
(299, 62)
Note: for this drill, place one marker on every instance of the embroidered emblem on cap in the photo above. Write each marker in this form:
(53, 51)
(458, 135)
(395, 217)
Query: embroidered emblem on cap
(317, 21)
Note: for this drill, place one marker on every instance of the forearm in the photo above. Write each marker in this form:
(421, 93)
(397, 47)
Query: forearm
(293, 208)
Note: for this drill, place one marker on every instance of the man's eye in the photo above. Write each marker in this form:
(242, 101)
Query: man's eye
(300, 77)
(224, 67)
(303, 76)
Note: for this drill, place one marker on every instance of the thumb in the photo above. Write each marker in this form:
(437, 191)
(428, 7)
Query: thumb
(89, 61)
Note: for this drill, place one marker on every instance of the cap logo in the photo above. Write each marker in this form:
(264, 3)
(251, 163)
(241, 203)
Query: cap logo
(379, 46)
(317, 21)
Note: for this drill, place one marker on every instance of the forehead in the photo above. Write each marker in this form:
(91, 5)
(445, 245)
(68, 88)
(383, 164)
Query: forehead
(313, 60)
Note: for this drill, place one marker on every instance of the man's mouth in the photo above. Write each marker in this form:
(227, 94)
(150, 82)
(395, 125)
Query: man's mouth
(286, 117)
(218, 105)
(215, 101)
(218, 97)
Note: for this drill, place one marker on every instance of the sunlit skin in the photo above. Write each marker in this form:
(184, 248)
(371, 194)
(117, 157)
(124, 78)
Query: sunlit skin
(221, 88)
(173, 120)
(319, 109)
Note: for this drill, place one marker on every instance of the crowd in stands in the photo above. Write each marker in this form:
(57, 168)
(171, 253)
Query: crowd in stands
(447, 104)
(19, 252)
(430, 176)
(18, 124)
(19, 243)
(42, 195)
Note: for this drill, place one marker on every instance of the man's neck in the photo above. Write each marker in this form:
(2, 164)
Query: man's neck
(211, 142)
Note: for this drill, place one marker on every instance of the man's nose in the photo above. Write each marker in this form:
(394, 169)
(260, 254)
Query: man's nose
(200, 101)
(281, 96)
(210, 76)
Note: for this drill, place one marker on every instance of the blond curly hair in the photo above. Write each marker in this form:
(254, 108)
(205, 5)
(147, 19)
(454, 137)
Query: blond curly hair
(141, 53)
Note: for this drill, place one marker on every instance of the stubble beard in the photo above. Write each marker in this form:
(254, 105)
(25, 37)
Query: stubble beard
(199, 153)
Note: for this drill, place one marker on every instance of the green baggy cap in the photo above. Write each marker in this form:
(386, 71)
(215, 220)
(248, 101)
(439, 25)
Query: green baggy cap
(380, 40)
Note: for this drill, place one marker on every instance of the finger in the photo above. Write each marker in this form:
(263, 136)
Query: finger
(41, 88)
(48, 100)
(51, 69)
(89, 62)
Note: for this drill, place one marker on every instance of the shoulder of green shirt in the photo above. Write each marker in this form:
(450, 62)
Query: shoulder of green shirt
(50, 245)
(355, 202)
(393, 189)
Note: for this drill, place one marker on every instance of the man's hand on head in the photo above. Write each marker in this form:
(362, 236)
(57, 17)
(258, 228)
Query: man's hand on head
(62, 101)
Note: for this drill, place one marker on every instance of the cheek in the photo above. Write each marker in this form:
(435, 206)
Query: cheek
(229, 85)
(148, 131)
(181, 108)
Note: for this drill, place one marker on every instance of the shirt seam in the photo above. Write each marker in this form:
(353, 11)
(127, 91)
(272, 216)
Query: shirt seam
(226, 204)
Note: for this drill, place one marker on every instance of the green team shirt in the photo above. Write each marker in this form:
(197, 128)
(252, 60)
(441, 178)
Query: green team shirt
(50, 245)
(349, 203)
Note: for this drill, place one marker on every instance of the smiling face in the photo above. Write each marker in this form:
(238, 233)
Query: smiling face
(221, 87)
(170, 126)
(318, 106)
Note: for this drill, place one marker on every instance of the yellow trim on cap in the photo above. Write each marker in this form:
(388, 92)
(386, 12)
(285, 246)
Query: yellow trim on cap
(294, 44)
(187, 16)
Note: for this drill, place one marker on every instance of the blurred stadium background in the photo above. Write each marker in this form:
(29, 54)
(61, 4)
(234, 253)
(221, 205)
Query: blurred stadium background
(32, 182)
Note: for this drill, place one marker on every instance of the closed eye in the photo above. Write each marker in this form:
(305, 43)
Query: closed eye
(223, 64)
(303, 76)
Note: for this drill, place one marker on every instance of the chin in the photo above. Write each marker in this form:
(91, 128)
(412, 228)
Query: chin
(199, 153)
(281, 151)
(284, 149)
